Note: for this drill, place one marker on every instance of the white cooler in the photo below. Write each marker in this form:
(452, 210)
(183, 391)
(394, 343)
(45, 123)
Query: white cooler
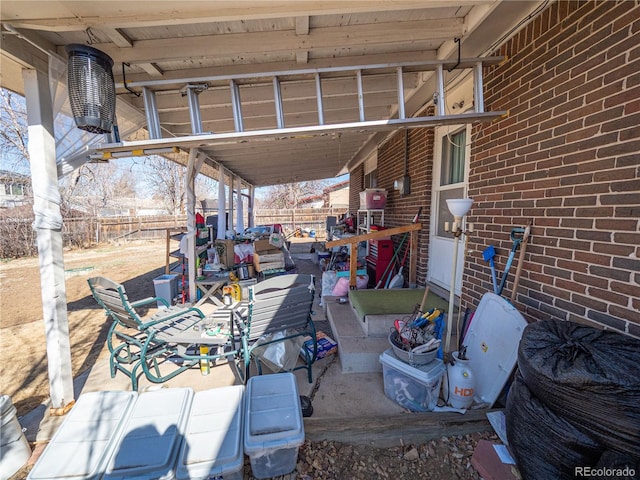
(149, 443)
(212, 446)
(84, 442)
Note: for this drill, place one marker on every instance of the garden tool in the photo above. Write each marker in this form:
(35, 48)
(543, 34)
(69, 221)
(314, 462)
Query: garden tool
(523, 248)
(517, 234)
(488, 255)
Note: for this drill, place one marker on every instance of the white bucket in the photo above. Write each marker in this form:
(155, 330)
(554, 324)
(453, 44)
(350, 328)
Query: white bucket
(460, 383)
(14, 448)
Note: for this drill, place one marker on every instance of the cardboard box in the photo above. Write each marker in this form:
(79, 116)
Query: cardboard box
(269, 256)
(226, 252)
(268, 259)
(263, 245)
(326, 345)
(261, 267)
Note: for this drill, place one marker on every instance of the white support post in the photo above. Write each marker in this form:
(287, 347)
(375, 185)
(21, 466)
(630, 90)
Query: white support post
(232, 222)
(239, 207)
(250, 217)
(48, 225)
(222, 208)
(193, 167)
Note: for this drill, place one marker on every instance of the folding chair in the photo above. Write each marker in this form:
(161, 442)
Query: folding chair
(279, 304)
(173, 334)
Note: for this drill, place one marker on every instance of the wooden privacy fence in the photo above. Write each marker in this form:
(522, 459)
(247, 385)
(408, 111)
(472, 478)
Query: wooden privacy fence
(18, 239)
(305, 218)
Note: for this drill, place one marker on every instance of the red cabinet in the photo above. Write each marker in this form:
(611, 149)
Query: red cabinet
(380, 254)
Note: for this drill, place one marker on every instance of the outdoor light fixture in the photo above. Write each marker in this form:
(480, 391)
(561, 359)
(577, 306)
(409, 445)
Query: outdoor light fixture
(106, 156)
(459, 208)
(92, 91)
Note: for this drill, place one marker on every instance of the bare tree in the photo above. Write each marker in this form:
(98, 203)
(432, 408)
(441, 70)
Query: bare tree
(290, 195)
(13, 131)
(165, 181)
(97, 186)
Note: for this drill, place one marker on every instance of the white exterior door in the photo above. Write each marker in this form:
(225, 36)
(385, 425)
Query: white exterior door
(450, 180)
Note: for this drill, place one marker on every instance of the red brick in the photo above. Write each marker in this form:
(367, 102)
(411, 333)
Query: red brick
(616, 224)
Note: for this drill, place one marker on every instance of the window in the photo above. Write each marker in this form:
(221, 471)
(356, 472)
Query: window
(453, 148)
(371, 179)
(16, 189)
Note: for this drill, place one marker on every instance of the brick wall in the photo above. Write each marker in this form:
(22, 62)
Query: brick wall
(401, 210)
(568, 158)
(356, 185)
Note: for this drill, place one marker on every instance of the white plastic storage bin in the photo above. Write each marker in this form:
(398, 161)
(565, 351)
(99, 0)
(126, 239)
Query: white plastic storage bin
(273, 428)
(373, 199)
(14, 448)
(83, 444)
(414, 388)
(166, 287)
(212, 446)
(149, 443)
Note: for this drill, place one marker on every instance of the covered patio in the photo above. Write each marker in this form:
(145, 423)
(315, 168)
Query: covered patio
(252, 94)
(527, 111)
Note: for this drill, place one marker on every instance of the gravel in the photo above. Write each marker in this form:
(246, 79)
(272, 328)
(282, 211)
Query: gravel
(443, 459)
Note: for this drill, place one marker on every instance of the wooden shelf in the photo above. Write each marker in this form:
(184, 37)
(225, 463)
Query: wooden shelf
(176, 234)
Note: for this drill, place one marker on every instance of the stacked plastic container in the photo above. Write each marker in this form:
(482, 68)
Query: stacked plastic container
(273, 429)
(172, 433)
(415, 388)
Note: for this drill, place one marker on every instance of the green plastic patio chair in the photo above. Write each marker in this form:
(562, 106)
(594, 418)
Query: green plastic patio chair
(173, 335)
(279, 304)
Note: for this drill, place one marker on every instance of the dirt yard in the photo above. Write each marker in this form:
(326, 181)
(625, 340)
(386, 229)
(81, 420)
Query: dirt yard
(23, 359)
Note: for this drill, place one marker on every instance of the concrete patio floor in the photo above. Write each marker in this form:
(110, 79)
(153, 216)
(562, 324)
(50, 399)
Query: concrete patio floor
(347, 407)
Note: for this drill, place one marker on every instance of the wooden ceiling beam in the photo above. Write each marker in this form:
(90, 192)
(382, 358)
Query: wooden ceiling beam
(158, 50)
(78, 16)
(117, 36)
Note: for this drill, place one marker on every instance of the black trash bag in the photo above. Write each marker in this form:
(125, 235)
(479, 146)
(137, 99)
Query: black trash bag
(616, 465)
(588, 376)
(544, 445)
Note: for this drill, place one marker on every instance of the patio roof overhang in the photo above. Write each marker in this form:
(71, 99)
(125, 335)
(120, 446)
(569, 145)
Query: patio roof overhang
(208, 44)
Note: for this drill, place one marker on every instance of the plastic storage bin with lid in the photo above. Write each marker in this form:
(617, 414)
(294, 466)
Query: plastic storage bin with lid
(147, 448)
(85, 441)
(212, 446)
(414, 388)
(14, 448)
(373, 199)
(273, 428)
